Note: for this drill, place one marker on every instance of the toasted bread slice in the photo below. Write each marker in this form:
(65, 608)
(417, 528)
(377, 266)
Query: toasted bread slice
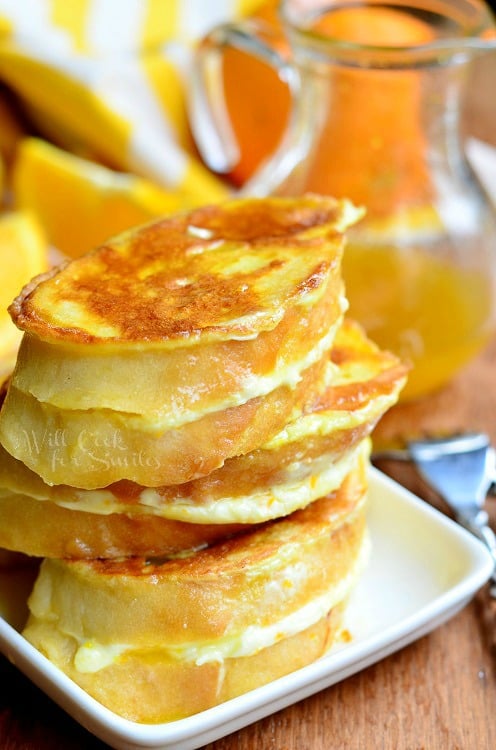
(213, 323)
(107, 527)
(90, 449)
(218, 273)
(44, 529)
(140, 635)
(168, 389)
(153, 688)
(189, 315)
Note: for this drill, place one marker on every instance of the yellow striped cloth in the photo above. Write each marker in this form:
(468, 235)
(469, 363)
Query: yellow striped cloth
(106, 78)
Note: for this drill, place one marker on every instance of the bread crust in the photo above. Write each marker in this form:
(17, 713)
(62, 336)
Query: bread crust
(213, 274)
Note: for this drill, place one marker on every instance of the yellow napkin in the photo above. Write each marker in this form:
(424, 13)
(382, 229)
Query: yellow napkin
(105, 79)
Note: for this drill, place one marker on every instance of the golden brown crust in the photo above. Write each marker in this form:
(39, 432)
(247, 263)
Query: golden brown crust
(43, 529)
(221, 270)
(367, 372)
(182, 381)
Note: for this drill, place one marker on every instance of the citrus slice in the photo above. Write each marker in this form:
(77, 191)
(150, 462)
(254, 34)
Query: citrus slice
(79, 203)
(23, 254)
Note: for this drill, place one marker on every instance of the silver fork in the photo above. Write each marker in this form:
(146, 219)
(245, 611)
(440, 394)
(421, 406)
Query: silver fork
(462, 470)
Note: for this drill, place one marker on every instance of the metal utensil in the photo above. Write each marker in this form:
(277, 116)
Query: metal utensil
(462, 470)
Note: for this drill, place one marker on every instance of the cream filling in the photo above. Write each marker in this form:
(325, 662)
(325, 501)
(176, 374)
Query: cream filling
(92, 656)
(278, 500)
(317, 423)
(305, 485)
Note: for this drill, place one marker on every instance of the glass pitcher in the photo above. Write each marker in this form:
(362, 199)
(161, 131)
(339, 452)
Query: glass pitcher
(376, 90)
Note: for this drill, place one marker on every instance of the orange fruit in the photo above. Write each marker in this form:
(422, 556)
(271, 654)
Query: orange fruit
(23, 254)
(79, 203)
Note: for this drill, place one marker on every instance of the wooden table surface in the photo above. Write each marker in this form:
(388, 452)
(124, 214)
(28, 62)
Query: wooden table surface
(438, 693)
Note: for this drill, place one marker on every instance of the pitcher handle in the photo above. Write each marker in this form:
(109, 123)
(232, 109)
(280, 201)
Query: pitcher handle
(208, 113)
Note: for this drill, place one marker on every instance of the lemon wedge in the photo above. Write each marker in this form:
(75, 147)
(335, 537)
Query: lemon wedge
(23, 254)
(79, 203)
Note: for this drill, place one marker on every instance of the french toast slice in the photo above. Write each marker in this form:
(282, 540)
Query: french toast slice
(168, 388)
(45, 529)
(179, 344)
(218, 273)
(140, 635)
(115, 524)
(163, 323)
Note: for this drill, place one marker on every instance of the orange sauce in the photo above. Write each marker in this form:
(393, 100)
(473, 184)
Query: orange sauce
(373, 146)
(430, 313)
(258, 102)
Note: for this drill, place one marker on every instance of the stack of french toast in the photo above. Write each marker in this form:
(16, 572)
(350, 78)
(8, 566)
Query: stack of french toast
(185, 442)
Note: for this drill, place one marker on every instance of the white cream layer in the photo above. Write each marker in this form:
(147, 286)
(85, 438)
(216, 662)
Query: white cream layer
(92, 656)
(306, 482)
(253, 386)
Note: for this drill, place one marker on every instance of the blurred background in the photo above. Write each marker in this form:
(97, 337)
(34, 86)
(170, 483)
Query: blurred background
(95, 137)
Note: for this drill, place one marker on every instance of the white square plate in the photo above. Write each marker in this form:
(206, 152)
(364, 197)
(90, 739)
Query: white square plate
(424, 568)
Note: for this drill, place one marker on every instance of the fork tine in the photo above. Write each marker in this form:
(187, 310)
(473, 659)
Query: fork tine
(458, 468)
(462, 470)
